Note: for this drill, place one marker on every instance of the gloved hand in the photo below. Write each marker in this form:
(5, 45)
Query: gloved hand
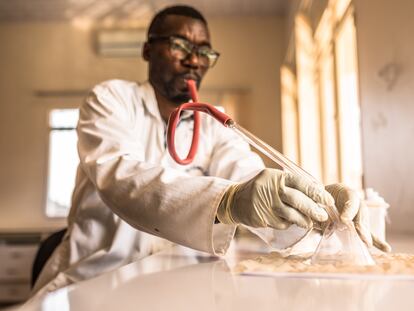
(275, 199)
(351, 207)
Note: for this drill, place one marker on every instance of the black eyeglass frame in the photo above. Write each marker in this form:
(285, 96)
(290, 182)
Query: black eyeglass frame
(193, 46)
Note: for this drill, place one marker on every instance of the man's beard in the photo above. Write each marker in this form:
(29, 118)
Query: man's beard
(180, 99)
(177, 96)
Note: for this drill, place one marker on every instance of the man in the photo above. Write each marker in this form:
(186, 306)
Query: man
(130, 193)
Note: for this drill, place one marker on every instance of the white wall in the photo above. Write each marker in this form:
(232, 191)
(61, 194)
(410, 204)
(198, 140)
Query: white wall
(39, 56)
(57, 56)
(385, 35)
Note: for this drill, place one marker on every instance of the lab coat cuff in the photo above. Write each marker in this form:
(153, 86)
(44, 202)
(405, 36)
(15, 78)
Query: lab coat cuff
(222, 234)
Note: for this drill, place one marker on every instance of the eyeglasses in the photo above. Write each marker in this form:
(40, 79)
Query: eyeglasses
(181, 48)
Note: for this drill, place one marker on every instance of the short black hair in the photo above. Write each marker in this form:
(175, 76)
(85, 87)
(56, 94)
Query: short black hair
(181, 10)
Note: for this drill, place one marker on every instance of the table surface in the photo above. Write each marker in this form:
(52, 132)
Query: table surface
(183, 279)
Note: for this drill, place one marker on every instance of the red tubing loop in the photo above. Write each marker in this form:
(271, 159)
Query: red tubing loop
(196, 107)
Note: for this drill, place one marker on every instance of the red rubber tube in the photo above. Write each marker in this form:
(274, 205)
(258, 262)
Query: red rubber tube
(196, 107)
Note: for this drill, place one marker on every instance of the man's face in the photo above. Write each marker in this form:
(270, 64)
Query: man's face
(168, 74)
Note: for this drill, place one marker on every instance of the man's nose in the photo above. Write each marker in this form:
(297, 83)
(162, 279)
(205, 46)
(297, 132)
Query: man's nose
(192, 60)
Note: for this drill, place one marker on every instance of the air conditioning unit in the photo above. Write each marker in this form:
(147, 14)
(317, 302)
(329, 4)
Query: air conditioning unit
(119, 42)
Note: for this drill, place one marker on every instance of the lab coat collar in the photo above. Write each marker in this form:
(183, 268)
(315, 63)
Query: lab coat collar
(151, 104)
(150, 101)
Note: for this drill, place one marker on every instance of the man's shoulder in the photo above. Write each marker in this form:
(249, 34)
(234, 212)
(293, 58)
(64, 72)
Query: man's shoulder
(119, 94)
(130, 92)
(116, 86)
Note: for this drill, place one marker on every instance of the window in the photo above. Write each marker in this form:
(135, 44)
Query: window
(348, 103)
(325, 72)
(63, 161)
(308, 105)
(327, 109)
(289, 115)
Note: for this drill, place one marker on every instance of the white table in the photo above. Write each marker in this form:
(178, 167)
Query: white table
(182, 279)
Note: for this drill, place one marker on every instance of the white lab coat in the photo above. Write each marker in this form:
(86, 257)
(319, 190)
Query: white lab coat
(129, 190)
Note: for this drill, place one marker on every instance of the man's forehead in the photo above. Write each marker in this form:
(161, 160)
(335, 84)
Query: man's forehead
(185, 26)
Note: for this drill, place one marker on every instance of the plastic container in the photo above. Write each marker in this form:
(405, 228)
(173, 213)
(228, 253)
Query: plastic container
(377, 211)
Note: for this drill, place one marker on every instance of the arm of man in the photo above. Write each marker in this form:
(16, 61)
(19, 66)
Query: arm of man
(158, 200)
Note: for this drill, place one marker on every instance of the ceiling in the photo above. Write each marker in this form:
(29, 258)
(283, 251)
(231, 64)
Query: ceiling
(126, 11)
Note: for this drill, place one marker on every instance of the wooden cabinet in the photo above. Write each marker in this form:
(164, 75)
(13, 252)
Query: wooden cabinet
(17, 253)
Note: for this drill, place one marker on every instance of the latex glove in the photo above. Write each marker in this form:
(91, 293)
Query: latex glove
(275, 199)
(351, 207)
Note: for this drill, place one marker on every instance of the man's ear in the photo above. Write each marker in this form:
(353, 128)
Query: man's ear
(146, 51)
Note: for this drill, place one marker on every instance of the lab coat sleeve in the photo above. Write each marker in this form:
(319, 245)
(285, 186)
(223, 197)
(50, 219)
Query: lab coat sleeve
(157, 200)
(232, 157)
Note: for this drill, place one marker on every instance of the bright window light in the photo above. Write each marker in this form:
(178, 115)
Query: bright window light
(348, 104)
(326, 80)
(63, 161)
(308, 101)
(289, 115)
